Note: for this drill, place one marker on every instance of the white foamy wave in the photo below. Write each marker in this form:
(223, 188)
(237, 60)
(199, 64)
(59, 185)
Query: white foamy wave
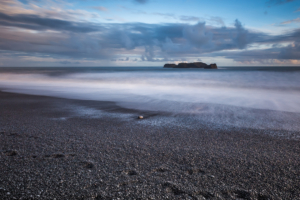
(274, 93)
(176, 92)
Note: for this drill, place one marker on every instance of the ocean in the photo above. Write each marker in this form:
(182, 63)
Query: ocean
(255, 97)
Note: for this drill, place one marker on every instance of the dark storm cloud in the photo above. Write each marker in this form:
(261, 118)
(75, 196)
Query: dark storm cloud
(277, 51)
(290, 52)
(152, 42)
(292, 36)
(36, 22)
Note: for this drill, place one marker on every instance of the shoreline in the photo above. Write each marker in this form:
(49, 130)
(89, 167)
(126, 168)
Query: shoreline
(49, 152)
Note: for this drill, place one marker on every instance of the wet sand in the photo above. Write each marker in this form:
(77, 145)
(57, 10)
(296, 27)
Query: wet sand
(71, 149)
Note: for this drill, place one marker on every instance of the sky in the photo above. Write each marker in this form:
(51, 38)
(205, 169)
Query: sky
(149, 32)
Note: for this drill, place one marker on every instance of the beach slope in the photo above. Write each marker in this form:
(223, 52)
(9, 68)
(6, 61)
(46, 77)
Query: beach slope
(70, 149)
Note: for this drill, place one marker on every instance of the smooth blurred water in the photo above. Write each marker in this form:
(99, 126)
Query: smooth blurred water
(234, 91)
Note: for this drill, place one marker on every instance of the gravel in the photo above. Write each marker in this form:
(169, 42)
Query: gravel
(47, 151)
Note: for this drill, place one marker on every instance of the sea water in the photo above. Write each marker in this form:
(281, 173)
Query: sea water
(258, 97)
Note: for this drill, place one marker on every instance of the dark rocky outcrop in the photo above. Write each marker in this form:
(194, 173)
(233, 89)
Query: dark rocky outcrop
(213, 66)
(192, 65)
(170, 65)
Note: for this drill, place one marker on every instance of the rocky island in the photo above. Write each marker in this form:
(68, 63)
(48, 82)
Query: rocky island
(192, 65)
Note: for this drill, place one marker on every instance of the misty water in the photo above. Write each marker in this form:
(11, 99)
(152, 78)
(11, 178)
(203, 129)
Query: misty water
(261, 97)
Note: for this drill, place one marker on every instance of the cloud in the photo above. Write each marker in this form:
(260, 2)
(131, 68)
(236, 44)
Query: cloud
(134, 11)
(166, 15)
(51, 9)
(217, 20)
(24, 1)
(189, 18)
(198, 35)
(275, 54)
(69, 63)
(278, 2)
(127, 41)
(148, 40)
(100, 8)
(141, 1)
(36, 22)
(27, 35)
(297, 20)
(272, 55)
(242, 37)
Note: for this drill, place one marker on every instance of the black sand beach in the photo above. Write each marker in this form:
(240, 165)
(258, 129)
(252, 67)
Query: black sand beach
(47, 151)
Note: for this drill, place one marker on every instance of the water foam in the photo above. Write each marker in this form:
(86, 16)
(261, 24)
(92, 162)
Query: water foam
(178, 92)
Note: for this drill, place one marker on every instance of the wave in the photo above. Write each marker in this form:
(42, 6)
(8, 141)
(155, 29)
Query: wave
(188, 92)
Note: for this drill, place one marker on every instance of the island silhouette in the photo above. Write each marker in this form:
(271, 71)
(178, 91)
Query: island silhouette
(192, 65)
